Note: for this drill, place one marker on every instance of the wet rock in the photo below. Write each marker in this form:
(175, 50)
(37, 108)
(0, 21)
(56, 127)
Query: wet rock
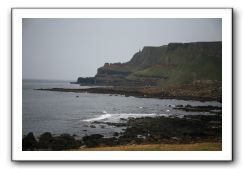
(93, 136)
(29, 142)
(169, 130)
(188, 105)
(209, 108)
(92, 126)
(116, 124)
(92, 140)
(116, 134)
(64, 142)
(102, 126)
(122, 119)
(45, 141)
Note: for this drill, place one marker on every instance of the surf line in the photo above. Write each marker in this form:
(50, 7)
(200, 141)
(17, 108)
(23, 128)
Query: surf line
(101, 117)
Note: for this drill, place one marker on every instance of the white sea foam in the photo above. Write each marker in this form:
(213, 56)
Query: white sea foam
(101, 117)
(116, 117)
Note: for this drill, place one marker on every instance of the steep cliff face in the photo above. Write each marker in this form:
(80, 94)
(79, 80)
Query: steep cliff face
(148, 56)
(172, 64)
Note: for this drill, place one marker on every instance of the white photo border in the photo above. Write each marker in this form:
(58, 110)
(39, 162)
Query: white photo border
(16, 52)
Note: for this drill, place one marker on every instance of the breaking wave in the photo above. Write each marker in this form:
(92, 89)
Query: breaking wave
(116, 117)
(101, 117)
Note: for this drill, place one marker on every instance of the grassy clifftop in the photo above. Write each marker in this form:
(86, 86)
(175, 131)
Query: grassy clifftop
(172, 64)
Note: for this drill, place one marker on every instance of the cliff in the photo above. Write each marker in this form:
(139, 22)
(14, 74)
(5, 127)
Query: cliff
(172, 64)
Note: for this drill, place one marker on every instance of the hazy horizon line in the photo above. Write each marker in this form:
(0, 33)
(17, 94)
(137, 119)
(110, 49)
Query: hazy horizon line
(44, 79)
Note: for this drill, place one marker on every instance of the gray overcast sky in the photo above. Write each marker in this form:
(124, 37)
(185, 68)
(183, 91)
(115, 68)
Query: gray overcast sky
(68, 48)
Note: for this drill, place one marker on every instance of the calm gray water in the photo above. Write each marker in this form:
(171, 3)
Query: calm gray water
(62, 112)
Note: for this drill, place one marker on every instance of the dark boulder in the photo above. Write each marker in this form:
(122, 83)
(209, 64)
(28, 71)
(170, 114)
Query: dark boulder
(45, 141)
(29, 142)
(92, 140)
(64, 142)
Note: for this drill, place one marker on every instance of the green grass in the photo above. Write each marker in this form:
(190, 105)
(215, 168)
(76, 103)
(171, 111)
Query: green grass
(154, 71)
(161, 147)
(185, 72)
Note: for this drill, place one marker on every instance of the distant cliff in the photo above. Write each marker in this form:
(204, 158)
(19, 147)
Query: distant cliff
(172, 64)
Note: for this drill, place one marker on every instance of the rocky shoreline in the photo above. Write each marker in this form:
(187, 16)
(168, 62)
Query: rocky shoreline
(139, 131)
(184, 92)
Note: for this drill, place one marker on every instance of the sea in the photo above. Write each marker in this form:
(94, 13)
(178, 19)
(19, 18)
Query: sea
(82, 114)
